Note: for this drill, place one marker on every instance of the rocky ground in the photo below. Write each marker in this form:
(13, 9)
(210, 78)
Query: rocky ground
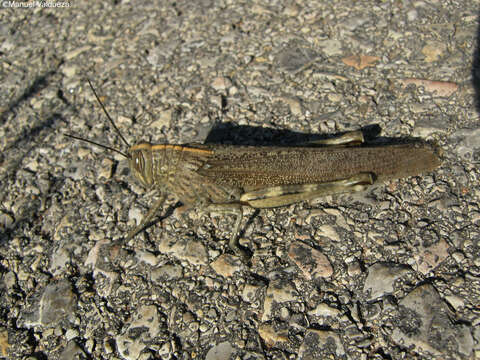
(393, 273)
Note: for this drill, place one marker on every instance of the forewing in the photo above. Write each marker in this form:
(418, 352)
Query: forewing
(251, 168)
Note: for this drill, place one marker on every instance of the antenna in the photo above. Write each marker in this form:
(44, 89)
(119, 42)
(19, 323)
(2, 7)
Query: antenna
(106, 113)
(113, 124)
(94, 143)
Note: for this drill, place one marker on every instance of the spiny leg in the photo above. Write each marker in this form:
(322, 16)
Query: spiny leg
(288, 194)
(232, 209)
(147, 218)
(350, 138)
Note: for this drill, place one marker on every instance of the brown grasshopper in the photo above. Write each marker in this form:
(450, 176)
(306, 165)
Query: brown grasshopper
(224, 178)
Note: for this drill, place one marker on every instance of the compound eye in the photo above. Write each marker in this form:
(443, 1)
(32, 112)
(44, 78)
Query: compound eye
(139, 162)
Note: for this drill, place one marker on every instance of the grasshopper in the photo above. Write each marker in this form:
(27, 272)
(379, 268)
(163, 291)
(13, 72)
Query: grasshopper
(224, 178)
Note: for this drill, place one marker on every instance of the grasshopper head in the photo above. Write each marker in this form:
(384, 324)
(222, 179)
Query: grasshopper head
(140, 163)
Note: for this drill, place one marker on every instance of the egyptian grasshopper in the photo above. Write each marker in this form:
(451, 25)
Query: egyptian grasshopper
(224, 178)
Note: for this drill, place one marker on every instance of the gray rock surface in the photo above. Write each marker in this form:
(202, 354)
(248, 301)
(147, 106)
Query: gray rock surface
(220, 351)
(425, 322)
(320, 344)
(390, 273)
(381, 278)
(57, 302)
(142, 328)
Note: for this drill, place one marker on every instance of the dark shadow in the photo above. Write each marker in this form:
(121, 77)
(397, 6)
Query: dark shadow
(24, 139)
(21, 148)
(232, 134)
(25, 143)
(476, 67)
(35, 87)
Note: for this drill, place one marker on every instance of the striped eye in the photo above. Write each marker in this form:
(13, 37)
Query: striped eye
(139, 162)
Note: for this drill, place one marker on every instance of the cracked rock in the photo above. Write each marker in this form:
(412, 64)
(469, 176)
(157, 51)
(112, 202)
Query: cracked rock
(320, 344)
(381, 278)
(56, 303)
(428, 258)
(425, 324)
(278, 292)
(220, 351)
(144, 327)
(312, 262)
(192, 251)
(467, 143)
(226, 265)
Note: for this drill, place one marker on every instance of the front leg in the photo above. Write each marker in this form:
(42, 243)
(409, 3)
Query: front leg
(150, 215)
